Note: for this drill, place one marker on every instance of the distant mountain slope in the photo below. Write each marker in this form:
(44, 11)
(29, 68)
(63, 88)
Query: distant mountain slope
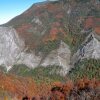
(53, 33)
(52, 20)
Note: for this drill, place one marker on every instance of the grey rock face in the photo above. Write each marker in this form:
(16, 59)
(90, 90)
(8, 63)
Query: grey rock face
(29, 59)
(12, 50)
(60, 57)
(10, 46)
(89, 49)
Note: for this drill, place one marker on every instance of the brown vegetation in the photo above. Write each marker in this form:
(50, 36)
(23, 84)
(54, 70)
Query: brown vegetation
(82, 89)
(26, 87)
(92, 22)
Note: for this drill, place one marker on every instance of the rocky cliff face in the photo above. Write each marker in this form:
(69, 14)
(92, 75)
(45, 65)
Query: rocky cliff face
(12, 49)
(10, 46)
(60, 57)
(90, 49)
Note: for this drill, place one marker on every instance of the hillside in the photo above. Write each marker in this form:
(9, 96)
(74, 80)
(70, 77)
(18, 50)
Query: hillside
(51, 42)
(53, 32)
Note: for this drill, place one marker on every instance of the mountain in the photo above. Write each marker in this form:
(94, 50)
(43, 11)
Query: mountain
(50, 43)
(52, 33)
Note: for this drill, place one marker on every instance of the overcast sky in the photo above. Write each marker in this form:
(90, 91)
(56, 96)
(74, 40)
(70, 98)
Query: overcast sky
(12, 8)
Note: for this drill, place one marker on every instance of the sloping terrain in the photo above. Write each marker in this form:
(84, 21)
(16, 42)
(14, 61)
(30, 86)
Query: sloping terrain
(18, 88)
(45, 26)
(53, 41)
